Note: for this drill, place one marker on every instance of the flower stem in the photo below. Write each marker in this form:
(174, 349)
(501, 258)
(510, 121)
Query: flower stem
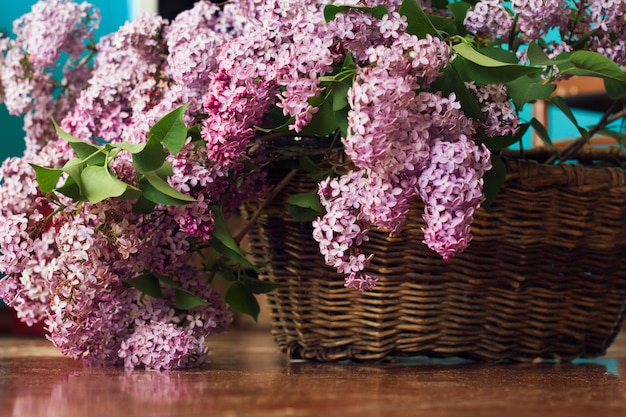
(606, 118)
(257, 213)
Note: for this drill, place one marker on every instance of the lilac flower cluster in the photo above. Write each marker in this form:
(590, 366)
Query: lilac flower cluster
(249, 67)
(559, 24)
(489, 19)
(536, 17)
(392, 128)
(500, 116)
(65, 263)
(608, 17)
(27, 84)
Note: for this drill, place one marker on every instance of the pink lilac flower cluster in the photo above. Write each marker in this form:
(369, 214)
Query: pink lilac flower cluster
(557, 23)
(65, 262)
(238, 69)
(500, 116)
(27, 83)
(489, 19)
(536, 17)
(391, 130)
(608, 17)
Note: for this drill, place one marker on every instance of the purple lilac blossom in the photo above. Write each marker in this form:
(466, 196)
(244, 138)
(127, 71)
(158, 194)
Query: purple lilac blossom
(536, 17)
(610, 40)
(232, 67)
(451, 188)
(127, 61)
(69, 270)
(501, 118)
(490, 19)
(52, 27)
(391, 130)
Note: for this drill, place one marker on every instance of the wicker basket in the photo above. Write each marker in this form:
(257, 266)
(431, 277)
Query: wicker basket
(544, 277)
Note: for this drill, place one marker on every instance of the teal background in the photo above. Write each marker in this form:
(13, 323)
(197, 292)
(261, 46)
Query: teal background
(114, 13)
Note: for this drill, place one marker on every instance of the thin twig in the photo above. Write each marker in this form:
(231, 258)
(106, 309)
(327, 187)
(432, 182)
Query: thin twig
(580, 142)
(255, 216)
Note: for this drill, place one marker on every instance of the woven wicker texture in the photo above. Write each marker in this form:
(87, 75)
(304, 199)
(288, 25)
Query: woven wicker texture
(544, 277)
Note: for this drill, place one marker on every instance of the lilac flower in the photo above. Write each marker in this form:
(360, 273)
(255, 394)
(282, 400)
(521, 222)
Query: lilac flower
(193, 43)
(160, 346)
(53, 26)
(536, 17)
(127, 62)
(249, 66)
(27, 70)
(489, 18)
(501, 118)
(610, 39)
(451, 188)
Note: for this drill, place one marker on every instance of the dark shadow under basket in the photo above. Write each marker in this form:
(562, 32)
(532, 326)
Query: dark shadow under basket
(544, 277)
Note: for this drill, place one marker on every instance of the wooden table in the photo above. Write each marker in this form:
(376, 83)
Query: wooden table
(247, 376)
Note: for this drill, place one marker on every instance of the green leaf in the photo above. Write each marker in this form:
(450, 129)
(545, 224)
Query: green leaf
(323, 122)
(525, 90)
(304, 206)
(84, 150)
(486, 70)
(459, 11)
(74, 167)
(242, 300)
(341, 119)
(130, 147)
(618, 136)
(310, 167)
(158, 190)
(165, 170)
(537, 56)
(257, 286)
(331, 11)
(377, 11)
(442, 23)
(186, 300)
(143, 206)
(195, 132)
(499, 54)
(223, 241)
(47, 178)
(501, 142)
(71, 189)
(98, 184)
(167, 280)
(562, 105)
(493, 181)
(614, 89)
(225, 274)
(151, 193)
(147, 283)
(151, 157)
(131, 193)
(348, 63)
(418, 22)
(451, 82)
(171, 130)
(593, 64)
(541, 131)
(340, 95)
(150, 283)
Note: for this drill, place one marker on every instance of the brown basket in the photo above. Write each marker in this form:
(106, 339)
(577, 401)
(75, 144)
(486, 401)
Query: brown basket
(544, 277)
